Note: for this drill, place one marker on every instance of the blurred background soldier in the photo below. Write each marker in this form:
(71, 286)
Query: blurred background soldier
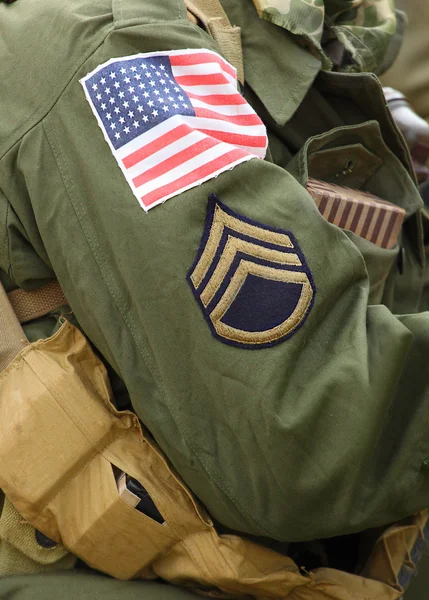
(410, 71)
(407, 87)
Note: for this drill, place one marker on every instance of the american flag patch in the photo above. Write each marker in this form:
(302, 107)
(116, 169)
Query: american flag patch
(173, 120)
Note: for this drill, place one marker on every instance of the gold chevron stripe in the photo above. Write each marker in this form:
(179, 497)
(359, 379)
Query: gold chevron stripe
(221, 219)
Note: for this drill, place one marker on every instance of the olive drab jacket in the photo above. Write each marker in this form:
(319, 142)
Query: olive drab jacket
(277, 360)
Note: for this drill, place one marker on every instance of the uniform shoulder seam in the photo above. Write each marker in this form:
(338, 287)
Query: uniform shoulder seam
(52, 99)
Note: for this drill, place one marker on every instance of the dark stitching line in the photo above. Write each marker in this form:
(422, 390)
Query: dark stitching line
(136, 21)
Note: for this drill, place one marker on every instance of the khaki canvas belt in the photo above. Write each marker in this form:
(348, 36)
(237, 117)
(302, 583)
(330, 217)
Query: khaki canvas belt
(216, 22)
(32, 305)
(20, 307)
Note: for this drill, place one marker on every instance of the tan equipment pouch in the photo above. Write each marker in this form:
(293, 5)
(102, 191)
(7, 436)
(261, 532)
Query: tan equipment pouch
(64, 450)
(61, 438)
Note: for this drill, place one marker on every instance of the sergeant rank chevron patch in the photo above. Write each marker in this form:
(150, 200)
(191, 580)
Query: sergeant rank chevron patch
(252, 281)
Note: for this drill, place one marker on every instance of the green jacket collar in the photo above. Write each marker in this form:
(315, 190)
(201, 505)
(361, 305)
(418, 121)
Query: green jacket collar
(278, 70)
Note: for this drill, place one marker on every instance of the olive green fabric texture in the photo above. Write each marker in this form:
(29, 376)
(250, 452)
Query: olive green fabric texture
(85, 586)
(321, 435)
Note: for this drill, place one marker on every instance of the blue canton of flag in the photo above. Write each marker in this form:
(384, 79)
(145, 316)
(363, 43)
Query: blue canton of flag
(133, 95)
(173, 120)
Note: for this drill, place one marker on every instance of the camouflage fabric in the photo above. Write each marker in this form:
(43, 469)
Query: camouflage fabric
(364, 27)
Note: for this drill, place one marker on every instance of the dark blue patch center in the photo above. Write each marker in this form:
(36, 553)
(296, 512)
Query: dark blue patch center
(262, 304)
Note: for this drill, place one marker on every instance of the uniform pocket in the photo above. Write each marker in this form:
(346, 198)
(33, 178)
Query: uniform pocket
(357, 158)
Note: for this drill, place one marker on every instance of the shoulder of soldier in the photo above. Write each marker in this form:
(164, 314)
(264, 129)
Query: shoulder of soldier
(42, 45)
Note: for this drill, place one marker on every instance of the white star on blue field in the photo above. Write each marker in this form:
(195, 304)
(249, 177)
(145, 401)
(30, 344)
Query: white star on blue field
(133, 95)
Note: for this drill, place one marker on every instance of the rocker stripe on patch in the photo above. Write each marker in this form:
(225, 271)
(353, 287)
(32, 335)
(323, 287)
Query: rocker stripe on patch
(251, 281)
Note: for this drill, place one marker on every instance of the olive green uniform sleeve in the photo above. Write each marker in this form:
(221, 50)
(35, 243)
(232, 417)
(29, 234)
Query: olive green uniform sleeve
(320, 433)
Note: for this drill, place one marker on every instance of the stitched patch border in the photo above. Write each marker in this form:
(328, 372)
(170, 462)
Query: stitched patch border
(252, 281)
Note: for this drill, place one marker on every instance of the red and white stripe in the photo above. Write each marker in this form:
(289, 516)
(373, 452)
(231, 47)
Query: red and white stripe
(185, 151)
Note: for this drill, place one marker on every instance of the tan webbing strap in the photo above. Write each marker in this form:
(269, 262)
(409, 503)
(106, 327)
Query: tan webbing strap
(32, 305)
(215, 20)
(12, 337)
